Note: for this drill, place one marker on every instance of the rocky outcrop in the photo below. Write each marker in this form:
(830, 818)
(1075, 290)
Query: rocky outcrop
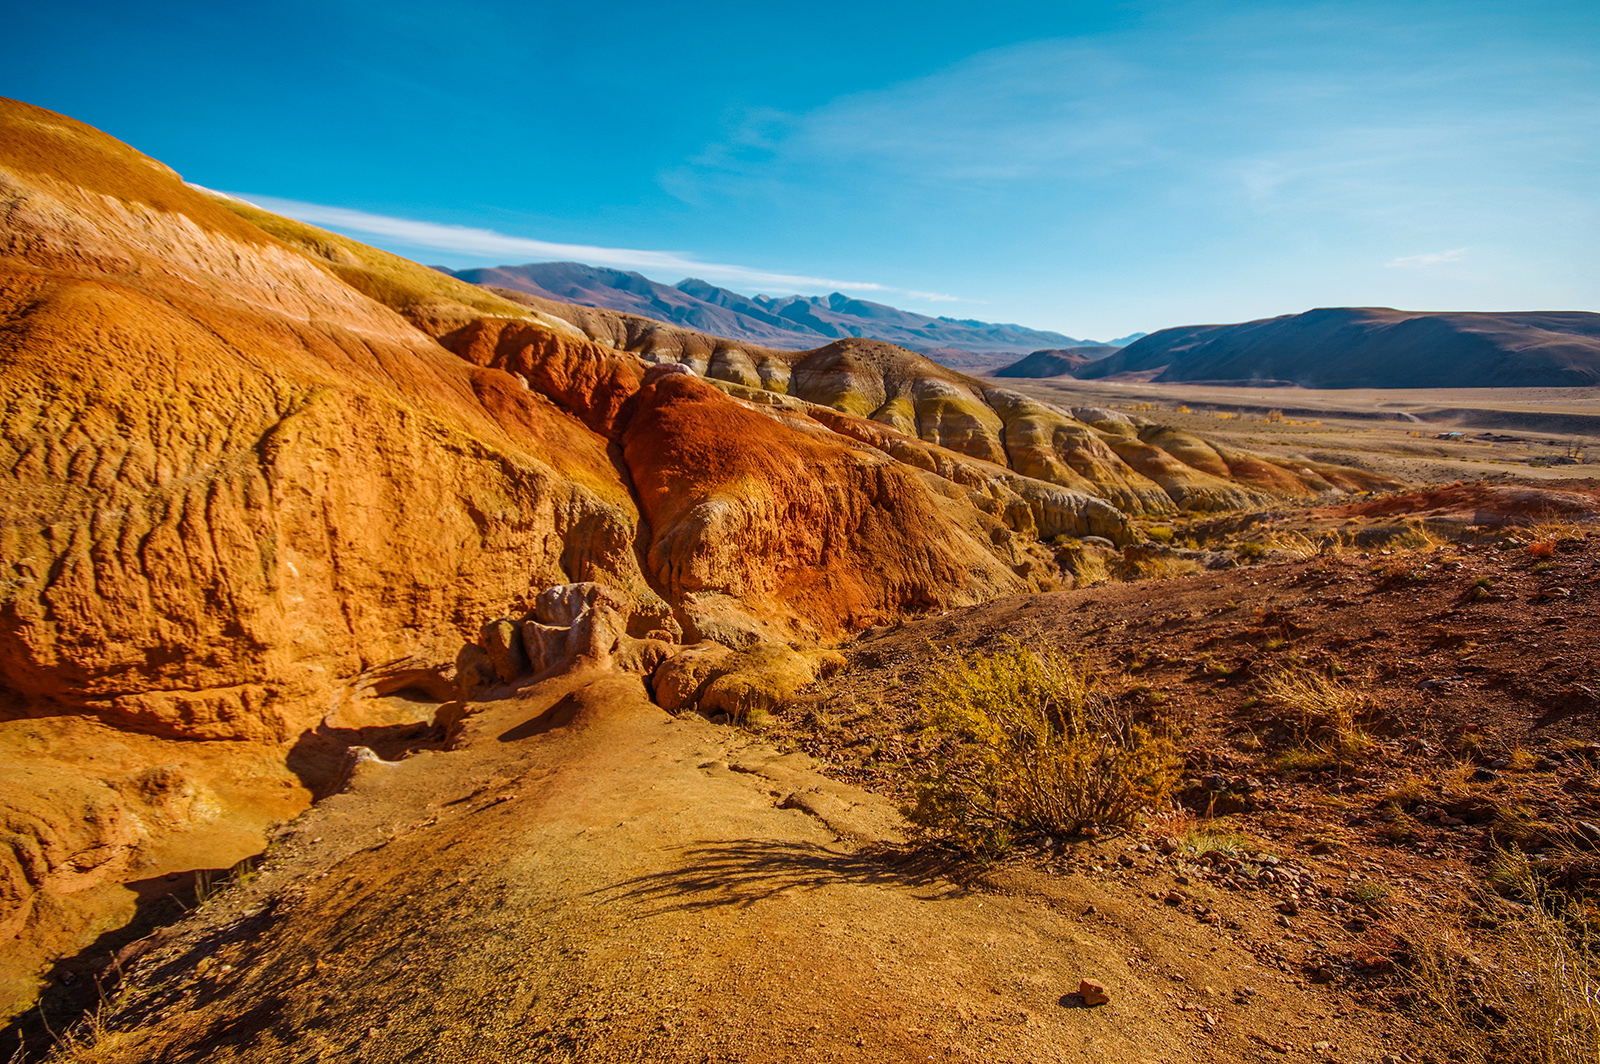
(1124, 460)
(233, 483)
(259, 484)
(585, 626)
(350, 459)
(569, 627)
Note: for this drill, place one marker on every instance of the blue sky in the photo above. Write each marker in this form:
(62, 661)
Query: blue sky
(1095, 168)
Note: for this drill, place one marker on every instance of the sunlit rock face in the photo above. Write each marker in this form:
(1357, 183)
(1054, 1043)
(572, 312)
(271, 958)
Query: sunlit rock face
(248, 463)
(1136, 465)
(260, 485)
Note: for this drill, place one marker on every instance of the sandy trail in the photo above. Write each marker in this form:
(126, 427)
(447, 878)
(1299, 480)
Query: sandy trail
(589, 878)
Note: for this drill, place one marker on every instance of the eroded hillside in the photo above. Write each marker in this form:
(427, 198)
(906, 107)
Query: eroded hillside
(1138, 465)
(582, 876)
(261, 485)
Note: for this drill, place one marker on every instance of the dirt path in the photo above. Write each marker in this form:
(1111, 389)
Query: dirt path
(589, 878)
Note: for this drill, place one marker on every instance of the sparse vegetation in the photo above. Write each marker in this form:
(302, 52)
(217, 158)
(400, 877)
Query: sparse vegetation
(1303, 759)
(1370, 893)
(1204, 836)
(1416, 537)
(1324, 712)
(1407, 790)
(1032, 746)
(1090, 569)
(1526, 991)
(1162, 567)
(1546, 537)
(1294, 542)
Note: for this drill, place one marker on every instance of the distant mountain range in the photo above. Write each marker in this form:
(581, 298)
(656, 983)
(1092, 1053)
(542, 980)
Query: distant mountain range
(789, 322)
(1372, 347)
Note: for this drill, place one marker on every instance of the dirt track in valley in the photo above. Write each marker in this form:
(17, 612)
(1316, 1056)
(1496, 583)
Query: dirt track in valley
(589, 878)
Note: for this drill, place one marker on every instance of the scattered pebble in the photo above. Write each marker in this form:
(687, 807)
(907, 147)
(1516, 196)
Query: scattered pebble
(1093, 993)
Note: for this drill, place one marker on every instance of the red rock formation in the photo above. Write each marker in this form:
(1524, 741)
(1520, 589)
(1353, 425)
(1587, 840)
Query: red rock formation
(1124, 460)
(255, 478)
(776, 524)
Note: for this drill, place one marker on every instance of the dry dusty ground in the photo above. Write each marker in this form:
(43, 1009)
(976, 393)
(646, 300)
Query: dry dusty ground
(585, 877)
(1480, 675)
(588, 878)
(1389, 431)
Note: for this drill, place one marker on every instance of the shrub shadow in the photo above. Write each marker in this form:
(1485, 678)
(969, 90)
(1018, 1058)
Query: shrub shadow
(714, 875)
(76, 985)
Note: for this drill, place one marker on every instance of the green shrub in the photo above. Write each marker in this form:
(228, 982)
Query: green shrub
(1206, 837)
(1031, 747)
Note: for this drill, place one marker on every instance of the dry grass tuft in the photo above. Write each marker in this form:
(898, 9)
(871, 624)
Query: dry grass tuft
(1417, 537)
(1204, 836)
(1088, 570)
(1325, 714)
(1546, 537)
(1525, 992)
(1162, 567)
(1292, 541)
(1030, 746)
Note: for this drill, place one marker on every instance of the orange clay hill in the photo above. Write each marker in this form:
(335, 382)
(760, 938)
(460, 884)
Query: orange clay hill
(442, 588)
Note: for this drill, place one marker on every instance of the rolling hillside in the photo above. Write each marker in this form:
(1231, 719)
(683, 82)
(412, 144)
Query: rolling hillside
(1374, 347)
(1058, 363)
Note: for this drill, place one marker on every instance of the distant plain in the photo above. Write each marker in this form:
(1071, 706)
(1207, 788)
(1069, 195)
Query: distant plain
(1390, 431)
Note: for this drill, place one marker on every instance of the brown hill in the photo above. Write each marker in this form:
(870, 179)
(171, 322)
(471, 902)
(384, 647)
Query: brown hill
(1055, 363)
(1374, 347)
(262, 486)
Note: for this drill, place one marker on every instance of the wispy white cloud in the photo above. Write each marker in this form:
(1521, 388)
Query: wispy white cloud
(1283, 149)
(1433, 258)
(505, 249)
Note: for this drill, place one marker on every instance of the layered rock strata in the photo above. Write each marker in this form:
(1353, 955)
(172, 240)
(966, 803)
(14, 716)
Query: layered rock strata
(1139, 466)
(259, 484)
